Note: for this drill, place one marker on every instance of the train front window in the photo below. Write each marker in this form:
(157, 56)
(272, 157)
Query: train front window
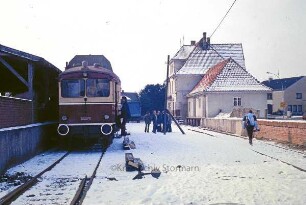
(97, 87)
(73, 88)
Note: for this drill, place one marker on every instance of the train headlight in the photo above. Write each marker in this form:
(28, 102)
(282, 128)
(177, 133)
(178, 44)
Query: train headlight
(106, 129)
(106, 117)
(64, 118)
(63, 129)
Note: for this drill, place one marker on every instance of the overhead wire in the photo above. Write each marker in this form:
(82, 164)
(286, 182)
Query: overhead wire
(188, 72)
(223, 18)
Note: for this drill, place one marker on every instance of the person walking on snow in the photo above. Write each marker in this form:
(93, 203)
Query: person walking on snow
(249, 123)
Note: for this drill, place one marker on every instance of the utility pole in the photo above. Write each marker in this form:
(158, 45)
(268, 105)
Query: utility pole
(167, 79)
(166, 95)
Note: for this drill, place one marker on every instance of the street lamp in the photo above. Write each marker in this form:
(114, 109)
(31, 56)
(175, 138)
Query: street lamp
(277, 75)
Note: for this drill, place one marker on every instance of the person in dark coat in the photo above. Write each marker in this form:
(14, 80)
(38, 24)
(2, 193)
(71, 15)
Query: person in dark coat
(125, 115)
(164, 121)
(154, 120)
(159, 121)
(249, 123)
(169, 121)
(147, 119)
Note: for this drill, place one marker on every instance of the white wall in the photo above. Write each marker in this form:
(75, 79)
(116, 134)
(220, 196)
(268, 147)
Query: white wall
(278, 97)
(184, 84)
(225, 102)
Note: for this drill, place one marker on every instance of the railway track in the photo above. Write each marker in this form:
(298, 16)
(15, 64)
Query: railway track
(274, 158)
(7, 199)
(79, 195)
(85, 185)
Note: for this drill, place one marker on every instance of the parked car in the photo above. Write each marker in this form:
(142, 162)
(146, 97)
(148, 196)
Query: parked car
(278, 112)
(180, 121)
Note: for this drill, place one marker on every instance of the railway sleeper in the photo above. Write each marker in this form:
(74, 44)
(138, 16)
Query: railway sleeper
(133, 164)
(127, 144)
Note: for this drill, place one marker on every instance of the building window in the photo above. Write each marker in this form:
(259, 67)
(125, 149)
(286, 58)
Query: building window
(173, 88)
(299, 96)
(269, 96)
(294, 108)
(199, 102)
(172, 69)
(237, 101)
(290, 108)
(300, 109)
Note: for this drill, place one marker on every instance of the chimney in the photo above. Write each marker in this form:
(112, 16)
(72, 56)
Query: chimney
(208, 43)
(204, 41)
(192, 43)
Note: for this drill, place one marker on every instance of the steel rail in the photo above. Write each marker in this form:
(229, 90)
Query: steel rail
(10, 197)
(85, 185)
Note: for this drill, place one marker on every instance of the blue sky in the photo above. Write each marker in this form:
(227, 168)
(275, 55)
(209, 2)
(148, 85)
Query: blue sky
(137, 35)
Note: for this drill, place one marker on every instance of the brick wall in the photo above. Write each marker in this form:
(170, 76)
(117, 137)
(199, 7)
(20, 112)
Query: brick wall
(283, 131)
(293, 132)
(15, 112)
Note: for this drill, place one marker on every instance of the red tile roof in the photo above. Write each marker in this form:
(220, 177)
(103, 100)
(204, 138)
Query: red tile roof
(210, 76)
(227, 76)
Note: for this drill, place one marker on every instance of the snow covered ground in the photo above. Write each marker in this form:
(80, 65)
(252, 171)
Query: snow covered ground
(30, 168)
(57, 186)
(200, 169)
(196, 169)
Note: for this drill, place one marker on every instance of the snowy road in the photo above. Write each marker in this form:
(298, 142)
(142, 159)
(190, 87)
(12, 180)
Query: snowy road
(200, 169)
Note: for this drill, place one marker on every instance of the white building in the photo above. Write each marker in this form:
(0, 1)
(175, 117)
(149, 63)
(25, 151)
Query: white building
(289, 94)
(225, 87)
(189, 65)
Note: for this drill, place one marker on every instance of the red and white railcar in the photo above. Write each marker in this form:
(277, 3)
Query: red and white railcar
(89, 98)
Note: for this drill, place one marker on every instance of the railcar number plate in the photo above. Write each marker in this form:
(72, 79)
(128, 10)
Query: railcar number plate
(85, 118)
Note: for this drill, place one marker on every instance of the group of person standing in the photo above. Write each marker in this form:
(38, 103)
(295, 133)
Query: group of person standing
(161, 121)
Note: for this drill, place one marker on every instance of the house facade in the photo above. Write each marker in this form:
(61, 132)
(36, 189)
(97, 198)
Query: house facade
(189, 65)
(179, 87)
(289, 94)
(225, 87)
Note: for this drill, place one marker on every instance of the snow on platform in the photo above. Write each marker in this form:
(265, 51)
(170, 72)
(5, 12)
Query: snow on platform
(199, 169)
